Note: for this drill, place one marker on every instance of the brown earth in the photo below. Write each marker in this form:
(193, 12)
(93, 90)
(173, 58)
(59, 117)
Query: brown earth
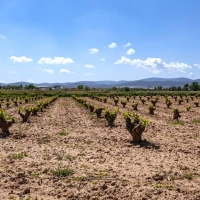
(100, 161)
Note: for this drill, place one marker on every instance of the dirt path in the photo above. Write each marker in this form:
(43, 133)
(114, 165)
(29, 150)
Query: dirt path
(101, 161)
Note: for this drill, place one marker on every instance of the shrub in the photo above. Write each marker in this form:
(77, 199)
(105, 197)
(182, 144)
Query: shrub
(148, 98)
(98, 111)
(135, 125)
(123, 103)
(154, 101)
(180, 101)
(5, 123)
(24, 113)
(8, 104)
(15, 102)
(168, 103)
(143, 100)
(188, 108)
(105, 100)
(91, 108)
(116, 101)
(86, 105)
(26, 100)
(151, 109)
(110, 116)
(127, 98)
(176, 113)
(196, 103)
(135, 105)
(34, 110)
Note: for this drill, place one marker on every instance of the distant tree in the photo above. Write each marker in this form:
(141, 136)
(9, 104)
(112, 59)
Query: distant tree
(179, 88)
(186, 87)
(174, 88)
(12, 87)
(159, 88)
(29, 87)
(194, 86)
(127, 89)
(114, 88)
(56, 86)
(87, 88)
(80, 87)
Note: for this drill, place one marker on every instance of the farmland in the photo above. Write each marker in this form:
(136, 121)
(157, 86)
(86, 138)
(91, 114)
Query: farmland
(65, 151)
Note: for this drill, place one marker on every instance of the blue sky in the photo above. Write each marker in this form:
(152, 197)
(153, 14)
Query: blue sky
(77, 40)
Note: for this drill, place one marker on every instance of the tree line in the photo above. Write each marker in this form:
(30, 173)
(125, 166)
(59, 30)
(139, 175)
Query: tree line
(18, 87)
(194, 86)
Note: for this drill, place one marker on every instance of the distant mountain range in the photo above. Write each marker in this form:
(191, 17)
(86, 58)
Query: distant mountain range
(142, 83)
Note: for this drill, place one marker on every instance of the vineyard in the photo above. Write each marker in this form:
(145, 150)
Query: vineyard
(109, 146)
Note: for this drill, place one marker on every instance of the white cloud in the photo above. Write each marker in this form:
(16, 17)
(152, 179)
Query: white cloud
(130, 51)
(88, 74)
(65, 71)
(102, 59)
(3, 37)
(112, 45)
(190, 74)
(13, 72)
(50, 71)
(197, 65)
(127, 45)
(55, 60)
(154, 65)
(31, 80)
(21, 59)
(89, 66)
(93, 51)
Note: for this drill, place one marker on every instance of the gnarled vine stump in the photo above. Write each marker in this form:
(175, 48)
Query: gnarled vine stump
(5, 125)
(136, 129)
(176, 114)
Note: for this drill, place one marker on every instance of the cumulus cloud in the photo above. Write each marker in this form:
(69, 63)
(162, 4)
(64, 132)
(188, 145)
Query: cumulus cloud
(66, 71)
(3, 37)
(130, 51)
(89, 66)
(93, 51)
(127, 45)
(197, 65)
(102, 59)
(50, 71)
(154, 65)
(55, 60)
(21, 59)
(112, 45)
